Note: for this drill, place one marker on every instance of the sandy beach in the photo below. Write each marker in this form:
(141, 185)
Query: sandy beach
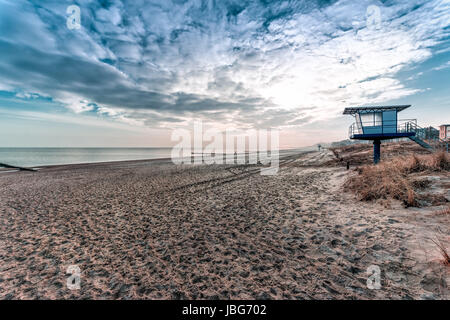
(154, 230)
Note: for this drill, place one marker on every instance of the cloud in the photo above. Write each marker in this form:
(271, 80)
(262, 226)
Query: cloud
(443, 66)
(253, 64)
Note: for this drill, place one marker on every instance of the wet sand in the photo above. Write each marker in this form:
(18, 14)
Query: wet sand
(153, 230)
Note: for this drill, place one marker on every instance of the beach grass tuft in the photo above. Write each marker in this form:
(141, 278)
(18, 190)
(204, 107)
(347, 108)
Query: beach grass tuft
(443, 251)
(391, 178)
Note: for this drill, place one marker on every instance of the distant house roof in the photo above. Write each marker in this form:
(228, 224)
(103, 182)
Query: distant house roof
(353, 110)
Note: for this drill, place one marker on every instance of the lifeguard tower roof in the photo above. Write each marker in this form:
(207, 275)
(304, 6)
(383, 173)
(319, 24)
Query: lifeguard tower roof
(355, 110)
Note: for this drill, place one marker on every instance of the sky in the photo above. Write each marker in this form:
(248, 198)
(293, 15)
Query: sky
(131, 72)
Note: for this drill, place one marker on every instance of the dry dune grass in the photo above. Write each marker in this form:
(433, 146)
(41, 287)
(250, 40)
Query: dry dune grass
(443, 251)
(361, 154)
(390, 179)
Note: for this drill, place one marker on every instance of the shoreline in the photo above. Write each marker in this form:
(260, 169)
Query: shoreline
(163, 159)
(88, 164)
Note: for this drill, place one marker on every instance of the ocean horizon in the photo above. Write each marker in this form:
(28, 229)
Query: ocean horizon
(46, 156)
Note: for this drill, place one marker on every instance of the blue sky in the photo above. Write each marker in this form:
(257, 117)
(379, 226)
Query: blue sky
(135, 70)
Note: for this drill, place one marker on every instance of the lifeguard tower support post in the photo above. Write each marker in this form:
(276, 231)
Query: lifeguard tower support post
(379, 123)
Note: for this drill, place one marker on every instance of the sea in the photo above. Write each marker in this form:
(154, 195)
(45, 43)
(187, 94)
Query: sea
(32, 157)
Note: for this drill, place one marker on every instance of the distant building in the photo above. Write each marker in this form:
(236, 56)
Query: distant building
(444, 132)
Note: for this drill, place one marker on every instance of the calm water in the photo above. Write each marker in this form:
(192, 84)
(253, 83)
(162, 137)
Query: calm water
(29, 157)
(33, 157)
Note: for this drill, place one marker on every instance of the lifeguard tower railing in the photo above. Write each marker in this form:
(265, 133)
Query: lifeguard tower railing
(406, 128)
(383, 128)
(426, 138)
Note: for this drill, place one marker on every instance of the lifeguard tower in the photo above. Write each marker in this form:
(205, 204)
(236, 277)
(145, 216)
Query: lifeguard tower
(380, 123)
